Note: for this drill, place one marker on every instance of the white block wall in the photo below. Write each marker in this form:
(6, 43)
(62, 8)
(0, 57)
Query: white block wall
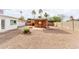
(7, 24)
(68, 25)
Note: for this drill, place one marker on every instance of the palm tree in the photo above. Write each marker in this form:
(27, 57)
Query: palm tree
(33, 13)
(21, 13)
(40, 12)
(46, 15)
(21, 18)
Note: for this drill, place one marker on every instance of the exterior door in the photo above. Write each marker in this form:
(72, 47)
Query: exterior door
(2, 24)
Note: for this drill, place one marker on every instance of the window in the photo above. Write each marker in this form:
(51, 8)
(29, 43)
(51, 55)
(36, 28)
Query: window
(12, 22)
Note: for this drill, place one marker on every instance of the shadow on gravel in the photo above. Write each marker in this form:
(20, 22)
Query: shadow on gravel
(8, 35)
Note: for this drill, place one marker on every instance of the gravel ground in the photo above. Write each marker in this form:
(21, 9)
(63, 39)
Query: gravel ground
(40, 39)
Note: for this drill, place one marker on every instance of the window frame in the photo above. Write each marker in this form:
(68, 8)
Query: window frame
(13, 22)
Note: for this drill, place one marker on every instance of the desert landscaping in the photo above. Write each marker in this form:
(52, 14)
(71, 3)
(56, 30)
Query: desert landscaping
(52, 37)
(43, 30)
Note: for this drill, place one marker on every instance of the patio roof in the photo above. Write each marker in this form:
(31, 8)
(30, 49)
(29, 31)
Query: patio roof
(39, 19)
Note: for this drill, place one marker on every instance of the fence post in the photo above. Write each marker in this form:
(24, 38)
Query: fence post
(72, 19)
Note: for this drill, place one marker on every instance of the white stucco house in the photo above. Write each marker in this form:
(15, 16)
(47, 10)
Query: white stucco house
(7, 23)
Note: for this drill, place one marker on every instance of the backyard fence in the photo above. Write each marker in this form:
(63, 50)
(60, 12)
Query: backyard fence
(68, 25)
(21, 24)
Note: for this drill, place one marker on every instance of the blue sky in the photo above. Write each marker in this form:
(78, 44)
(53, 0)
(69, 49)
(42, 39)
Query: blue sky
(52, 12)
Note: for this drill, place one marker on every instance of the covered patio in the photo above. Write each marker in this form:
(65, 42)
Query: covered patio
(39, 23)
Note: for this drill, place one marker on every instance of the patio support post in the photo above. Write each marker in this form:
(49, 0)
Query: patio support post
(72, 19)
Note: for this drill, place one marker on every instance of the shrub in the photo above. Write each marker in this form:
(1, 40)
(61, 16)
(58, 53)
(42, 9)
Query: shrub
(56, 19)
(26, 29)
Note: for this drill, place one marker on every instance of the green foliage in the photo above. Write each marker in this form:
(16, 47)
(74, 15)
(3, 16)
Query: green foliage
(56, 19)
(21, 18)
(33, 13)
(46, 15)
(40, 11)
(29, 19)
(39, 17)
(26, 29)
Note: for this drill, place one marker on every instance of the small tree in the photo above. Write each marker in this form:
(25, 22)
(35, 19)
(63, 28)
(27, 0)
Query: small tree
(33, 13)
(21, 18)
(56, 19)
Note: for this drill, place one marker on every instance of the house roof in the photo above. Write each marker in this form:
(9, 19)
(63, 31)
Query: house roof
(8, 16)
